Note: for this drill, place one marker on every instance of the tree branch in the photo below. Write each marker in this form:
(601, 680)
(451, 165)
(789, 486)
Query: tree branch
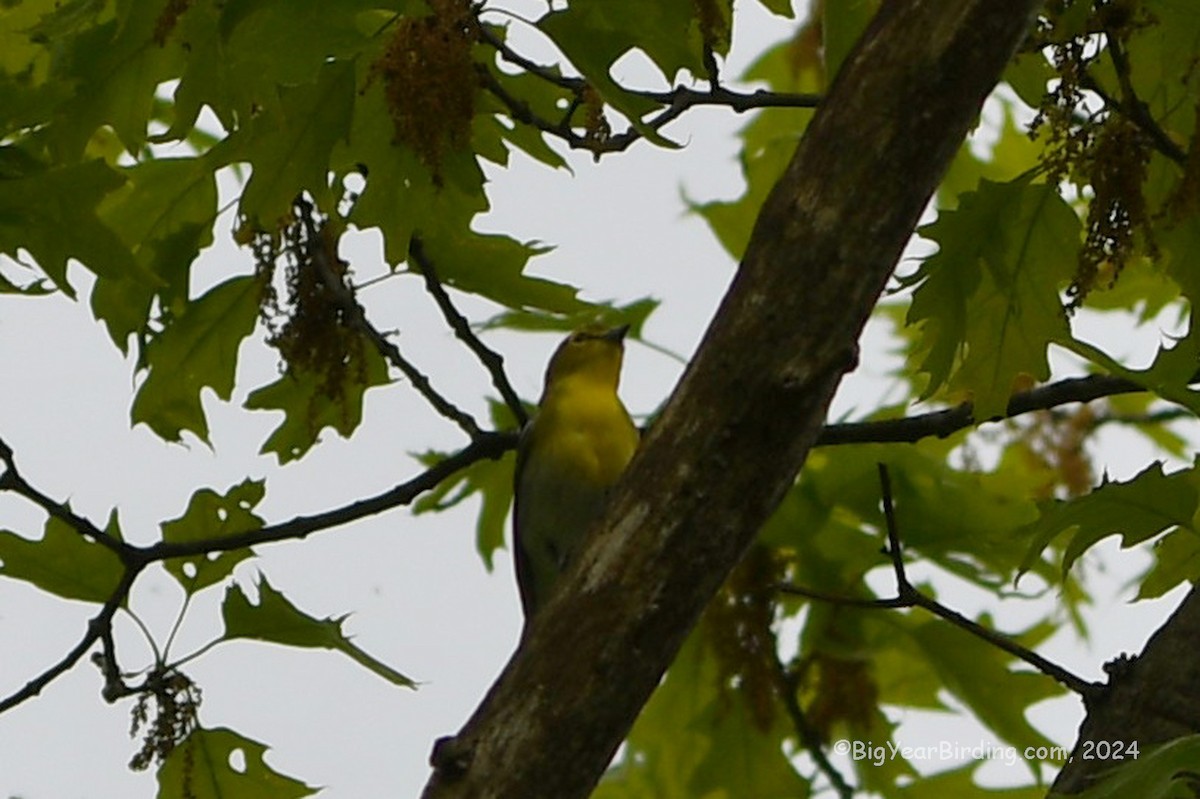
(486, 445)
(947, 422)
(548, 74)
(675, 102)
(135, 558)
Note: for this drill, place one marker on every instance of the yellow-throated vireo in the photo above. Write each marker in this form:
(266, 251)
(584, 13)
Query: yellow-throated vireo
(569, 455)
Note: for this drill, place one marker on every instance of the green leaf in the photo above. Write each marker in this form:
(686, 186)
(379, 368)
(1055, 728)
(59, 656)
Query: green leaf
(197, 350)
(962, 521)
(310, 404)
(603, 314)
(401, 196)
(52, 215)
(23, 51)
(63, 562)
(665, 746)
(782, 8)
(221, 764)
(212, 516)
(1179, 245)
(1169, 376)
(493, 266)
(960, 782)
(289, 152)
(1176, 561)
(241, 53)
(1165, 55)
(544, 100)
(492, 480)
(1029, 75)
(695, 739)
(114, 66)
(288, 42)
(164, 213)
(1137, 509)
(1012, 155)
(1144, 288)
(743, 760)
(276, 620)
(1166, 772)
(594, 34)
(987, 302)
(667, 31)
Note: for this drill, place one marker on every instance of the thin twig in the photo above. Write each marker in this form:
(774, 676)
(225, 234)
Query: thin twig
(808, 735)
(716, 95)
(733, 100)
(12, 480)
(1133, 106)
(491, 360)
(510, 55)
(907, 596)
(99, 625)
(675, 101)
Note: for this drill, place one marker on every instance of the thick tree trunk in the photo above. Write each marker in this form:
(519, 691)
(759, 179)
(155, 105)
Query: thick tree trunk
(741, 421)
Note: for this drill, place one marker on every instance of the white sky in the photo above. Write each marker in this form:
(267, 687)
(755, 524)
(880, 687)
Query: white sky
(421, 600)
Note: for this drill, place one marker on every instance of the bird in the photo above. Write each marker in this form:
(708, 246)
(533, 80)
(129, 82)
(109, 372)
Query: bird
(569, 455)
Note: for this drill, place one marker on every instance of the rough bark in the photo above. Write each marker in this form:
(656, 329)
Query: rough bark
(743, 417)
(1150, 699)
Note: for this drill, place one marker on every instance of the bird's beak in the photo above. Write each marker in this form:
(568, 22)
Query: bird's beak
(617, 334)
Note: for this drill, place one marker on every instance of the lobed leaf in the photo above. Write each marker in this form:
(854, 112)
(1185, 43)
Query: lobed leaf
(276, 620)
(63, 562)
(212, 516)
(197, 350)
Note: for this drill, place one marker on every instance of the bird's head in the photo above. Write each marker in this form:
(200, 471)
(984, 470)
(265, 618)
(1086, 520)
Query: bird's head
(591, 354)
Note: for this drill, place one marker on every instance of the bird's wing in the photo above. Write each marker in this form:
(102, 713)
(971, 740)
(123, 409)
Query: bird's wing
(525, 581)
